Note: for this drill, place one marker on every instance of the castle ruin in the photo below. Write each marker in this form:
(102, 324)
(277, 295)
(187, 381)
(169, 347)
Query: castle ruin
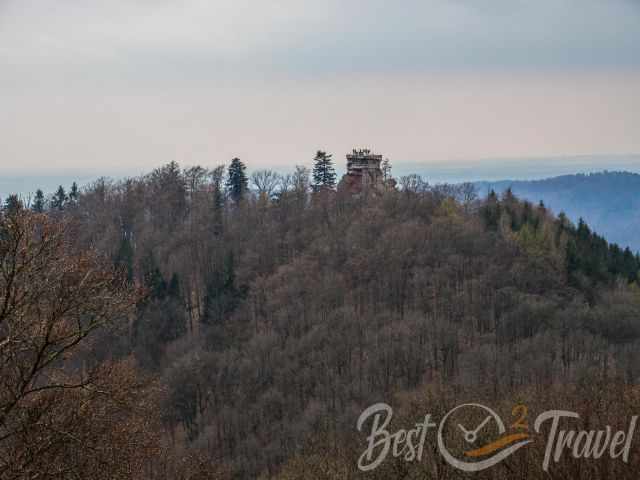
(364, 172)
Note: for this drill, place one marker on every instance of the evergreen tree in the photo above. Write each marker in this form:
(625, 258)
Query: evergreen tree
(160, 317)
(153, 279)
(237, 182)
(221, 296)
(124, 257)
(74, 193)
(38, 202)
(59, 199)
(491, 211)
(175, 321)
(324, 175)
(583, 231)
(12, 204)
(508, 197)
(630, 267)
(528, 215)
(173, 290)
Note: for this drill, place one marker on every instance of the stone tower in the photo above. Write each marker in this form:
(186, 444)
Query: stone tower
(363, 172)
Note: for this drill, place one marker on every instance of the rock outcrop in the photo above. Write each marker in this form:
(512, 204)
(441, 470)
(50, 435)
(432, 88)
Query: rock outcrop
(364, 173)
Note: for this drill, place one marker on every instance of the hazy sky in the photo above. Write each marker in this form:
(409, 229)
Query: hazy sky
(125, 85)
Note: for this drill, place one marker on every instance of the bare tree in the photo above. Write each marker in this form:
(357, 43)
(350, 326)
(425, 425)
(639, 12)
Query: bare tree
(52, 300)
(264, 182)
(285, 184)
(386, 170)
(467, 194)
(412, 183)
(195, 179)
(301, 179)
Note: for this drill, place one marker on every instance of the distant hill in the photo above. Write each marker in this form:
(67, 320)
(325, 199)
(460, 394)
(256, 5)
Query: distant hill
(608, 201)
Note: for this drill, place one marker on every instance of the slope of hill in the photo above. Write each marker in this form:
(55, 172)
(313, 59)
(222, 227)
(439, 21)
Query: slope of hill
(267, 324)
(608, 201)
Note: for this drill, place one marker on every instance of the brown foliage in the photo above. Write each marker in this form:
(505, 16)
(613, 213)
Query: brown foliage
(62, 415)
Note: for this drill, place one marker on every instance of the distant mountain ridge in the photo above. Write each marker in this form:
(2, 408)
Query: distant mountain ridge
(609, 201)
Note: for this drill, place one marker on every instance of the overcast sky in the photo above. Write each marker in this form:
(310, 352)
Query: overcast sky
(126, 85)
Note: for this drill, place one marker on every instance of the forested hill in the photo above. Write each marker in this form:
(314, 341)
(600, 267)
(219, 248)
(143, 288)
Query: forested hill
(608, 201)
(271, 317)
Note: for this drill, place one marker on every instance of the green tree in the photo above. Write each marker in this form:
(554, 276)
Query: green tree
(324, 175)
(221, 297)
(59, 199)
(237, 182)
(152, 277)
(491, 211)
(124, 257)
(38, 202)
(74, 193)
(12, 204)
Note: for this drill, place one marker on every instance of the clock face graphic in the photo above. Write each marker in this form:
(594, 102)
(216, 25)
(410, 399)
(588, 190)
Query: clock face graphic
(471, 423)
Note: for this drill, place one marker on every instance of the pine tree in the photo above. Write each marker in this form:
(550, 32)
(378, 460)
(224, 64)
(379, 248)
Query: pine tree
(153, 279)
(74, 194)
(124, 257)
(38, 202)
(12, 204)
(175, 322)
(324, 175)
(572, 259)
(173, 289)
(630, 267)
(237, 182)
(491, 211)
(59, 199)
(221, 296)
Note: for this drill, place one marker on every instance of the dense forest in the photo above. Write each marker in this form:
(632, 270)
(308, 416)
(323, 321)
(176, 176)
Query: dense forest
(609, 201)
(207, 323)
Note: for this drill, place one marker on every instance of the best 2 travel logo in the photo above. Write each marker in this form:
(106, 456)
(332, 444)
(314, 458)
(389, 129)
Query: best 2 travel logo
(472, 437)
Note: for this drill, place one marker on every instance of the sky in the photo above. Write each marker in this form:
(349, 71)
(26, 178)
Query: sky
(120, 87)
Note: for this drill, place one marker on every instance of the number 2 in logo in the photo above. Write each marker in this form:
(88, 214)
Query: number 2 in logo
(520, 412)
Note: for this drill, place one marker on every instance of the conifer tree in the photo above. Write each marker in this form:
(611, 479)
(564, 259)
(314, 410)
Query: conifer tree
(491, 211)
(175, 322)
(324, 175)
(221, 296)
(12, 204)
(38, 202)
(153, 279)
(74, 193)
(124, 257)
(59, 199)
(237, 182)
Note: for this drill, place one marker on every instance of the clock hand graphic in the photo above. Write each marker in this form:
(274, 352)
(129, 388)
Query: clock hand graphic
(470, 436)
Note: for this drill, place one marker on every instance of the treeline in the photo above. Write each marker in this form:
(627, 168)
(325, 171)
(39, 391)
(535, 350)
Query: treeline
(590, 259)
(609, 200)
(277, 308)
